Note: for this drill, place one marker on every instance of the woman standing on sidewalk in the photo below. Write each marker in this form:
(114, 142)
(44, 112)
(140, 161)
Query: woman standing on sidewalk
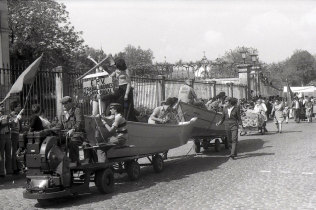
(277, 109)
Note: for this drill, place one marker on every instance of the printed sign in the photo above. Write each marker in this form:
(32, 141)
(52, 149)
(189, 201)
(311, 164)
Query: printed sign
(98, 81)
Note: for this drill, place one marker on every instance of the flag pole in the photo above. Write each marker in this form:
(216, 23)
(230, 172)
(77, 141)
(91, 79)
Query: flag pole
(28, 94)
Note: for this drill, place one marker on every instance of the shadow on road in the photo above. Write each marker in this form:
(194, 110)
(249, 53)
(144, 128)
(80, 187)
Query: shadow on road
(12, 181)
(253, 155)
(175, 169)
(251, 145)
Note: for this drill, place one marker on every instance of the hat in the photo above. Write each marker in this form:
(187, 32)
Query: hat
(66, 99)
(171, 101)
(115, 105)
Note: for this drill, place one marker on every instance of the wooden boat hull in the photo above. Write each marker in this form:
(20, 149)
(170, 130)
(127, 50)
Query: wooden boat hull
(205, 125)
(146, 138)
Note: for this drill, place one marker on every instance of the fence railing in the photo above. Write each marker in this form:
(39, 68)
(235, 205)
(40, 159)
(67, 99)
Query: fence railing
(51, 84)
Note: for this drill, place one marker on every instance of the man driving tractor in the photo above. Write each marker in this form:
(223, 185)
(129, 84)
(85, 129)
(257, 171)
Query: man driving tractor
(73, 122)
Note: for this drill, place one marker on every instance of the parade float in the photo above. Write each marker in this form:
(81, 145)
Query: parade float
(50, 174)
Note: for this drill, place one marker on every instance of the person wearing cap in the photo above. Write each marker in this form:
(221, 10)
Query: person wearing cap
(162, 114)
(231, 119)
(118, 128)
(186, 92)
(5, 145)
(73, 122)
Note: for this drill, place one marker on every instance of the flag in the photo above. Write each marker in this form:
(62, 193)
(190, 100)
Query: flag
(26, 77)
(289, 95)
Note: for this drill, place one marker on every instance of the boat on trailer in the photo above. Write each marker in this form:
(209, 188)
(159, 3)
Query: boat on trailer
(143, 138)
(205, 129)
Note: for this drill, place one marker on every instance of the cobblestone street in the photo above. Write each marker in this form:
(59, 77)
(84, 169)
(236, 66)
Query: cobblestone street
(274, 171)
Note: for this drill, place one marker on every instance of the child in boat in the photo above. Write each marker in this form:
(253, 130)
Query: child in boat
(118, 128)
(162, 114)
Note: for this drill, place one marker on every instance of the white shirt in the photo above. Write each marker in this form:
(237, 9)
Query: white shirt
(230, 110)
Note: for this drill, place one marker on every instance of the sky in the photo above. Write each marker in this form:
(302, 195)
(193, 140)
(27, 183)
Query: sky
(184, 29)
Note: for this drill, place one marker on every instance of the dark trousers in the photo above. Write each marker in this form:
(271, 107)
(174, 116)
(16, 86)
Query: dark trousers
(14, 142)
(128, 110)
(5, 154)
(73, 145)
(232, 137)
(297, 115)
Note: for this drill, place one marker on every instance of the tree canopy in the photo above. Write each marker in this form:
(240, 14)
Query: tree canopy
(42, 26)
(298, 70)
(138, 60)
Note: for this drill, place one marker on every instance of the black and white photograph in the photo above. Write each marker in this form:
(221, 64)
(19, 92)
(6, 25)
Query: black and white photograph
(158, 104)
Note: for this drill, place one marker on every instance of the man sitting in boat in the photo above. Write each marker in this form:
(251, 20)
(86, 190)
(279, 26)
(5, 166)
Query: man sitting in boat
(162, 114)
(118, 128)
(186, 93)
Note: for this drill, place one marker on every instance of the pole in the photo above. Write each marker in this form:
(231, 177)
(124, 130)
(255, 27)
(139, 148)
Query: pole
(27, 97)
(96, 66)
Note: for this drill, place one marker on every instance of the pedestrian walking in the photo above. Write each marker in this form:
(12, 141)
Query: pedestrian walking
(309, 110)
(231, 119)
(277, 109)
(296, 110)
(286, 112)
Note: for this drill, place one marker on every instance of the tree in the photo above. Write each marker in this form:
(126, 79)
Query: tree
(298, 70)
(139, 61)
(226, 66)
(42, 27)
(301, 67)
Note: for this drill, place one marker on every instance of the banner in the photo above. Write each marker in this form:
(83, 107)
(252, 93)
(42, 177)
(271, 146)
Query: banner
(98, 81)
(26, 77)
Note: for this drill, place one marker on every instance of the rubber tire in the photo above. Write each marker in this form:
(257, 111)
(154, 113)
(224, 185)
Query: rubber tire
(205, 144)
(197, 146)
(46, 202)
(104, 180)
(158, 163)
(217, 145)
(133, 170)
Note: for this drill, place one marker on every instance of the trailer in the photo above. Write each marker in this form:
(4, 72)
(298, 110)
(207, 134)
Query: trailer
(205, 132)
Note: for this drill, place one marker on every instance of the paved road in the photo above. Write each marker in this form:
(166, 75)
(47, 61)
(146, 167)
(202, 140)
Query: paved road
(274, 171)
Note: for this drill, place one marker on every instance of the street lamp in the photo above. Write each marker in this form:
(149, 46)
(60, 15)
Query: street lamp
(243, 53)
(254, 58)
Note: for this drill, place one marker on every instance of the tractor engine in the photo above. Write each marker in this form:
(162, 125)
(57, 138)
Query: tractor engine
(46, 161)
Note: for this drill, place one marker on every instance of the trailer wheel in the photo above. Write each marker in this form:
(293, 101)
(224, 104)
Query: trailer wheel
(104, 180)
(217, 145)
(205, 144)
(133, 170)
(45, 202)
(157, 163)
(197, 146)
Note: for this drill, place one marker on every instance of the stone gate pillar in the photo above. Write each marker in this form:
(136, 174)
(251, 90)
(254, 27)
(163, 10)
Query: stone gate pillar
(4, 38)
